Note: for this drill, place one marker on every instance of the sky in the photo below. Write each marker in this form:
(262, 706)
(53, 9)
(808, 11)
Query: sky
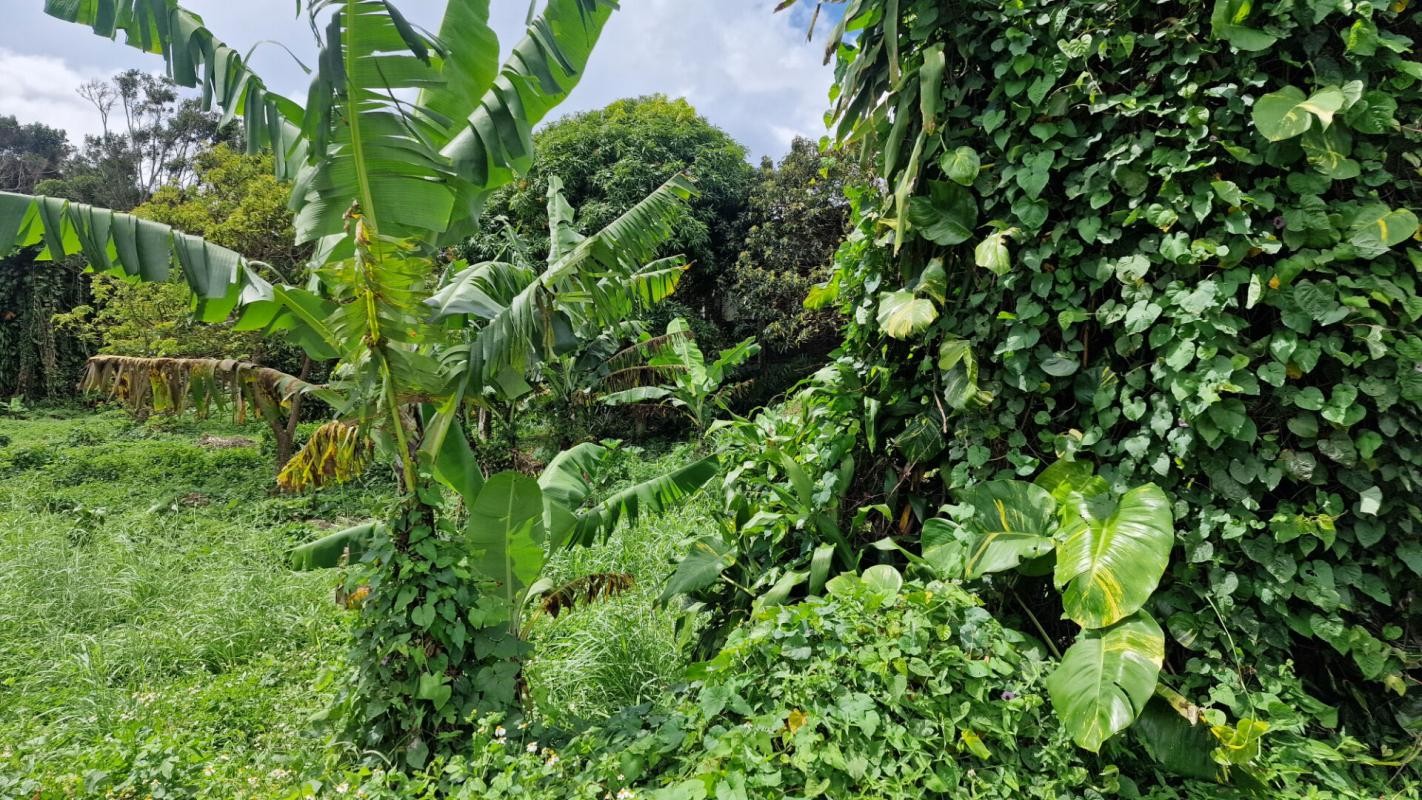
(747, 70)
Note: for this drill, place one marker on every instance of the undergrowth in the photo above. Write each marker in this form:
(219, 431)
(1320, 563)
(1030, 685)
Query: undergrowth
(153, 642)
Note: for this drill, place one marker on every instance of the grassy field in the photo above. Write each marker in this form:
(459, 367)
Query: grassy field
(152, 642)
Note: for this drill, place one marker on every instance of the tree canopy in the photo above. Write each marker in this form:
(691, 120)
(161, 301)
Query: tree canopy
(610, 158)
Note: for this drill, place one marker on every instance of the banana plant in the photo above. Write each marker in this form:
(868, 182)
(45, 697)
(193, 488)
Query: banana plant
(696, 384)
(517, 522)
(402, 136)
(1106, 555)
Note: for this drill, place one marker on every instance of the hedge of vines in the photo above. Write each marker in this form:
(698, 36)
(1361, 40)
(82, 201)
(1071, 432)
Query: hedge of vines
(1176, 240)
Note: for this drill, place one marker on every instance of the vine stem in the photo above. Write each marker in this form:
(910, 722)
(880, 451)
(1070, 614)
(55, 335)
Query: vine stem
(1038, 625)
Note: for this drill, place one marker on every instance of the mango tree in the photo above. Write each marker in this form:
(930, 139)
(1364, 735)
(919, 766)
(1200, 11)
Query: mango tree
(402, 137)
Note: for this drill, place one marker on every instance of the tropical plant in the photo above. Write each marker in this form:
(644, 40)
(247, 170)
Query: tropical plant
(697, 387)
(380, 184)
(586, 348)
(1176, 242)
(1107, 555)
(609, 158)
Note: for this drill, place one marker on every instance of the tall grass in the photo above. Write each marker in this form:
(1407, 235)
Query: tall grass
(148, 631)
(153, 643)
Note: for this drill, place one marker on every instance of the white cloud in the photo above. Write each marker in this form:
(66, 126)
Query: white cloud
(45, 89)
(745, 68)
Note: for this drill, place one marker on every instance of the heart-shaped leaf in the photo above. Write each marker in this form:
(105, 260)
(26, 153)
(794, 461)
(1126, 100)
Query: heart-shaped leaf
(961, 165)
(1012, 522)
(1106, 678)
(1378, 227)
(946, 216)
(1111, 558)
(1280, 115)
(902, 315)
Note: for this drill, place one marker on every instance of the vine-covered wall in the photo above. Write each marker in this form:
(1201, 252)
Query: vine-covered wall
(1178, 241)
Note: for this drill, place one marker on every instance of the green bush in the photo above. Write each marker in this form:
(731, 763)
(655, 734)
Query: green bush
(873, 691)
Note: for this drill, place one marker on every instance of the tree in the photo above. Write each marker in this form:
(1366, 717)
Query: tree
(610, 158)
(795, 219)
(29, 154)
(234, 201)
(155, 145)
(403, 137)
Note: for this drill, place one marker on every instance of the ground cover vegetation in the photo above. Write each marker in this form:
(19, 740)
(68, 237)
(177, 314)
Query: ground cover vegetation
(1106, 490)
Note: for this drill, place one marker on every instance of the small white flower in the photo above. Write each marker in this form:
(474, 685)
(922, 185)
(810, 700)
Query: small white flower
(500, 733)
(532, 747)
(625, 794)
(342, 788)
(552, 759)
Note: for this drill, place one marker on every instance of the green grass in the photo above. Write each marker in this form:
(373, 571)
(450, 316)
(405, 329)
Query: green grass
(152, 642)
(621, 651)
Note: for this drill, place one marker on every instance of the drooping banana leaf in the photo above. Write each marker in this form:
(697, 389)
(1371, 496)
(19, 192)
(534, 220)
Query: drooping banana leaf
(495, 140)
(655, 496)
(196, 58)
(122, 244)
(366, 145)
(329, 551)
(176, 384)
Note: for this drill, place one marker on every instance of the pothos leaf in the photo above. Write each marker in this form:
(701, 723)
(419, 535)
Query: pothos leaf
(902, 315)
(1106, 678)
(946, 216)
(1111, 559)
(1012, 521)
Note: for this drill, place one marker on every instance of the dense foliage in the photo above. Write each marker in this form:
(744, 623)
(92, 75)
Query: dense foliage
(1173, 242)
(233, 201)
(796, 216)
(611, 158)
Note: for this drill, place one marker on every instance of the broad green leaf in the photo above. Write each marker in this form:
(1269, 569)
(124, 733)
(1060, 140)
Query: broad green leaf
(1106, 678)
(1110, 559)
(1228, 22)
(1178, 746)
(992, 254)
(961, 165)
(946, 216)
(1281, 115)
(1324, 103)
(654, 496)
(1378, 227)
(883, 580)
(329, 551)
(699, 568)
(1328, 150)
(1063, 477)
(505, 534)
(902, 315)
(1012, 522)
